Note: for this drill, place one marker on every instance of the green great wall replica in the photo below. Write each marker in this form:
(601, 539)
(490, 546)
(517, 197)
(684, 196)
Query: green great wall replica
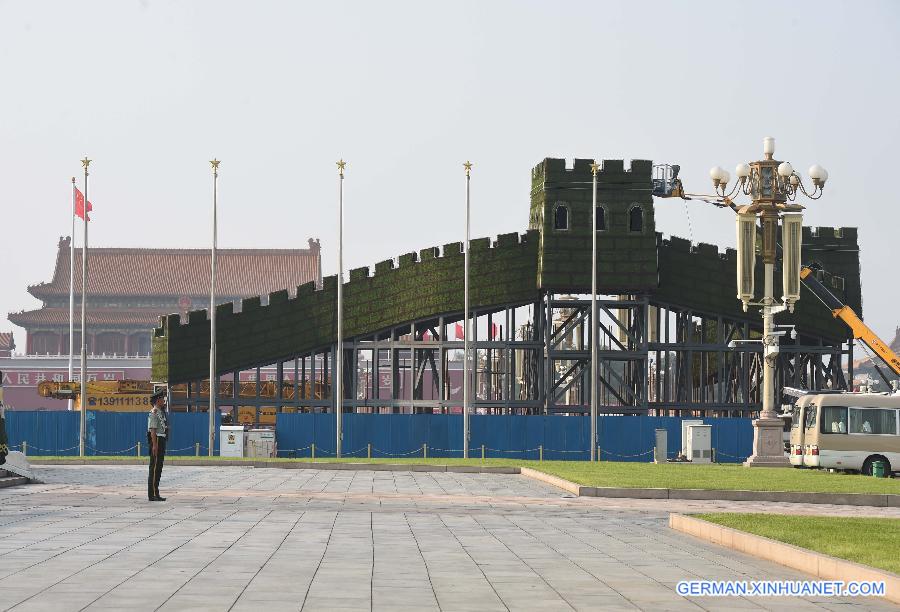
(513, 269)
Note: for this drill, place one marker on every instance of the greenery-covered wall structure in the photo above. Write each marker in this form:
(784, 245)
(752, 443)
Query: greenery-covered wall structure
(554, 256)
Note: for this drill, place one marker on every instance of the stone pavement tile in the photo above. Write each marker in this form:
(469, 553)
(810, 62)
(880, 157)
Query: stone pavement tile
(267, 605)
(871, 603)
(721, 604)
(599, 602)
(408, 596)
(136, 600)
(337, 601)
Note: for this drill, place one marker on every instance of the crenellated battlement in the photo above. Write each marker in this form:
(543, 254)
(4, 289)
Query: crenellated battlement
(406, 261)
(702, 277)
(683, 245)
(415, 285)
(555, 169)
(831, 235)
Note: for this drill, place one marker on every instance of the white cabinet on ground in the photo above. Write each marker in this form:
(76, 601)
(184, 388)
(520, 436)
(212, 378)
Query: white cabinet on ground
(260, 443)
(685, 423)
(699, 443)
(231, 440)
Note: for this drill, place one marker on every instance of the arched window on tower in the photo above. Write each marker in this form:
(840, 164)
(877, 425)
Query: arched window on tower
(636, 219)
(601, 218)
(561, 217)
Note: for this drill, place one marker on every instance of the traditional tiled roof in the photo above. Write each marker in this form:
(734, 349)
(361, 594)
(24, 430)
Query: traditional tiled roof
(118, 317)
(7, 343)
(183, 272)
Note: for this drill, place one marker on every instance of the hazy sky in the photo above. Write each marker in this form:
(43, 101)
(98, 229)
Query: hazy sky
(407, 91)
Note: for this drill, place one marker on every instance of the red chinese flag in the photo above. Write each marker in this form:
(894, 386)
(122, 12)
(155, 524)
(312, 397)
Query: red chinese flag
(79, 205)
(459, 332)
(493, 330)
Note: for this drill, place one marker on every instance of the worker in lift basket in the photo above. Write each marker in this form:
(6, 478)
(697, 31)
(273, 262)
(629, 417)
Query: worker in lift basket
(157, 433)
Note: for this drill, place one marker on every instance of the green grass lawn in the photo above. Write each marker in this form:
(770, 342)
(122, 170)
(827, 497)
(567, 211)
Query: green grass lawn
(870, 541)
(719, 476)
(649, 475)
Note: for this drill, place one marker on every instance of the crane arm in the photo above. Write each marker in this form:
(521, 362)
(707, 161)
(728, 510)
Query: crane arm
(841, 311)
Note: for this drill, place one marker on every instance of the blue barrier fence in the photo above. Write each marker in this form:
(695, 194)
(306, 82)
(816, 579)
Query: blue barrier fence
(106, 433)
(620, 438)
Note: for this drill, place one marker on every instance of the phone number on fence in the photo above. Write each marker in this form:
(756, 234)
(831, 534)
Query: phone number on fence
(119, 401)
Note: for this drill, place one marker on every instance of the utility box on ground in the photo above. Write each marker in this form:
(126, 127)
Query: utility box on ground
(684, 428)
(699, 443)
(260, 443)
(662, 437)
(231, 440)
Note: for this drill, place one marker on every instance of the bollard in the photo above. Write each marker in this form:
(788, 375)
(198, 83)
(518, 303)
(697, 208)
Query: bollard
(655, 458)
(598, 453)
(139, 448)
(424, 451)
(313, 451)
(713, 455)
(369, 454)
(24, 447)
(541, 452)
(196, 449)
(482, 453)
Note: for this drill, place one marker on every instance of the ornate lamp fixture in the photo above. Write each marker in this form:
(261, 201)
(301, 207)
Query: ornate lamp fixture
(773, 187)
(769, 181)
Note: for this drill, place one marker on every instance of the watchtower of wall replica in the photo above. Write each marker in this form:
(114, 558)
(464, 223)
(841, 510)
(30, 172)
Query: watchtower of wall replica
(561, 202)
(668, 316)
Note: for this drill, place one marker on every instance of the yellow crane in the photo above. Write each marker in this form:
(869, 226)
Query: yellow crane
(861, 331)
(114, 395)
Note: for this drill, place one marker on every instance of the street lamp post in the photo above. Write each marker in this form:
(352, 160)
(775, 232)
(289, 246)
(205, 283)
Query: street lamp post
(772, 186)
(213, 379)
(338, 375)
(467, 331)
(595, 379)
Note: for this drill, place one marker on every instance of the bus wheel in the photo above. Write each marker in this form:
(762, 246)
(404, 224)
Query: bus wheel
(867, 464)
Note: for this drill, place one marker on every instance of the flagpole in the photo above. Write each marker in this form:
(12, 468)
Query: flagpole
(595, 327)
(213, 383)
(70, 403)
(339, 353)
(84, 270)
(467, 329)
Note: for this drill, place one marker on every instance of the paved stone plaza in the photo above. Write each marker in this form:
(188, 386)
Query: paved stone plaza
(238, 538)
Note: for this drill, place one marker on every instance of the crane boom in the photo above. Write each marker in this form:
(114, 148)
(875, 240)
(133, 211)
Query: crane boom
(841, 311)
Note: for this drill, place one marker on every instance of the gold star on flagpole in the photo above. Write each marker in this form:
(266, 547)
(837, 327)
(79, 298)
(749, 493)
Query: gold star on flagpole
(86, 162)
(595, 167)
(340, 165)
(215, 166)
(468, 167)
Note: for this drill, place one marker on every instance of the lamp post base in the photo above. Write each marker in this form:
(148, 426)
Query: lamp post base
(768, 446)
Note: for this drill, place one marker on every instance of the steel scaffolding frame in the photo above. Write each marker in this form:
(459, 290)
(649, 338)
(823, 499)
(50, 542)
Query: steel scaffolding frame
(653, 358)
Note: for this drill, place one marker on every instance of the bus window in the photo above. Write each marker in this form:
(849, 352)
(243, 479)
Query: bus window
(873, 421)
(795, 417)
(834, 419)
(811, 411)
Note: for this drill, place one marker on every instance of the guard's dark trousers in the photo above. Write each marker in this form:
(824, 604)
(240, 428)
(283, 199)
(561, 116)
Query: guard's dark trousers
(156, 466)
